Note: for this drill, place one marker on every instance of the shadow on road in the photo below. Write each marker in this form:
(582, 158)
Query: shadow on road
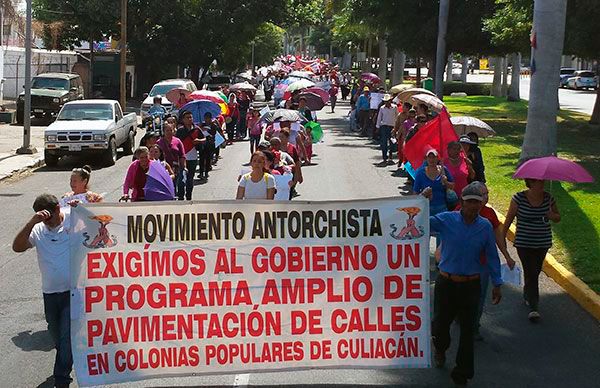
(37, 341)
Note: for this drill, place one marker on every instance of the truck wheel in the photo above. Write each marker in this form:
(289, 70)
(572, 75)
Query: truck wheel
(110, 155)
(20, 115)
(50, 160)
(129, 144)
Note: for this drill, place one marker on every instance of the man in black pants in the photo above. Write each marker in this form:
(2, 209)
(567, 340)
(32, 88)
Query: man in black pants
(205, 154)
(465, 236)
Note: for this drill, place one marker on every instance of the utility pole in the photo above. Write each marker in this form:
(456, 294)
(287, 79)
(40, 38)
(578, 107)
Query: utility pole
(123, 53)
(252, 55)
(26, 147)
(440, 57)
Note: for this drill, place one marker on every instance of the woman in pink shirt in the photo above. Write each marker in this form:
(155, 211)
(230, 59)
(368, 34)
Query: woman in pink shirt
(135, 180)
(459, 166)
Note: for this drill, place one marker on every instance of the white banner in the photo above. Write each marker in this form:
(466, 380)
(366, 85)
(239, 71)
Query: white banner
(163, 289)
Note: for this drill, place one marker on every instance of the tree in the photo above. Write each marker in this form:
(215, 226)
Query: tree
(68, 22)
(510, 26)
(549, 18)
(581, 32)
(441, 47)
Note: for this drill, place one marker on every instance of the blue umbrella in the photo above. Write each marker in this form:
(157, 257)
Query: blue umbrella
(159, 185)
(199, 109)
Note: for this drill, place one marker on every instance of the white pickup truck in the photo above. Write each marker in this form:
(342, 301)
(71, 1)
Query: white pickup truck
(90, 127)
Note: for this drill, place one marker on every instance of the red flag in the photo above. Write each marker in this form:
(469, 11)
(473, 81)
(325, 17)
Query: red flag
(437, 133)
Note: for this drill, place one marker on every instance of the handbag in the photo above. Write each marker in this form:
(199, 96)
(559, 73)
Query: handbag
(451, 196)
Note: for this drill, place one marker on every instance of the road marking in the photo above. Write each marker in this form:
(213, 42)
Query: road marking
(241, 380)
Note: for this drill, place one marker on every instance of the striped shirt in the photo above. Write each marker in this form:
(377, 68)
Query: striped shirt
(533, 227)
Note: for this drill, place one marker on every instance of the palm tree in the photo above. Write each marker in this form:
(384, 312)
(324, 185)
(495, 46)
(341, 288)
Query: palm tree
(548, 32)
(441, 48)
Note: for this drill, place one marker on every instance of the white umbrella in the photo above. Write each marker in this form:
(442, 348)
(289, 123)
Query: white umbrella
(431, 101)
(299, 85)
(466, 124)
(245, 86)
(407, 94)
(302, 74)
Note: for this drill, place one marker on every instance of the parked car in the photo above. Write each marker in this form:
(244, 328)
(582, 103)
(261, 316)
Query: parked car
(583, 79)
(90, 127)
(161, 89)
(217, 82)
(565, 74)
(49, 92)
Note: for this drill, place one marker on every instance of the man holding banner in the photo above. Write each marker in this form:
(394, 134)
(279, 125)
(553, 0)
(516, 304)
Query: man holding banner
(48, 232)
(465, 235)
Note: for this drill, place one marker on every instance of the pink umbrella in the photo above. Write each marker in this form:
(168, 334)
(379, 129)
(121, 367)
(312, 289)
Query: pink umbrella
(178, 95)
(552, 168)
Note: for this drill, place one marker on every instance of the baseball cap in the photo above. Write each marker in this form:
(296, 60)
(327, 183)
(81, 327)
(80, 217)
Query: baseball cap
(432, 151)
(472, 191)
(466, 139)
(386, 97)
(366, 89)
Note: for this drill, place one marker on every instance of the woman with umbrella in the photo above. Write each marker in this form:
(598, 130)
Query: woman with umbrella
(534, 208)
(135, 179)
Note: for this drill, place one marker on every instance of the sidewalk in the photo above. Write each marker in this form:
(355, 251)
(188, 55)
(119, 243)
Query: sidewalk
(11, 138)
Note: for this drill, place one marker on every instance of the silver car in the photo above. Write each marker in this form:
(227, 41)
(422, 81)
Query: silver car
(583, 79)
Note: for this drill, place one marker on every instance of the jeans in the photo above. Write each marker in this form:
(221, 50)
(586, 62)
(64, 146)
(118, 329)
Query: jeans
(58, 316)
(532, 260)
(451, 300)
(205, 154)
(254, 141)
(484, 282)
(385, 134)
(433, 210)
(188, 187)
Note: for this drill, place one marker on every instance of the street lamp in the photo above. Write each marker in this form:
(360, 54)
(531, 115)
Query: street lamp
(26, 148)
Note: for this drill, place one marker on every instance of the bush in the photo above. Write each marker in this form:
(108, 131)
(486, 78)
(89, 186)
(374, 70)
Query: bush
(471, 88)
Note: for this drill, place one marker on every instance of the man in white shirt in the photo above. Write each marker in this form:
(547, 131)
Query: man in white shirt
(48, 232)
(386, 118)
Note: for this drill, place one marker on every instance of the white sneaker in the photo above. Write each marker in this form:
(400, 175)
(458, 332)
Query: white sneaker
(534, 316)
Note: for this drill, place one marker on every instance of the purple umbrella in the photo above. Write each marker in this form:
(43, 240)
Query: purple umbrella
(159, 185)
(321, 92)
(313, 100)
(551, 168)
(371, 78)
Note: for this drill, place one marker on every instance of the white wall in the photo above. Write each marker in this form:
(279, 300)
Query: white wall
(42, 61)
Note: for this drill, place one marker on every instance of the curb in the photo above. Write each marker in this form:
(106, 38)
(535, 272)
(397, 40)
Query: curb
(577, 289)
(34, 163)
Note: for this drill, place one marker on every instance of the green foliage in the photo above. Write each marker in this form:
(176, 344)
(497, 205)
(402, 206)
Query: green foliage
(268, 43)
(411, 25)
(67, 22)
(511, 24)
(302, 13)
(582, 29)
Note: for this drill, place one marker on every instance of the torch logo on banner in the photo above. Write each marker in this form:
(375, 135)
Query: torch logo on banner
(411, 230)
(103, 239)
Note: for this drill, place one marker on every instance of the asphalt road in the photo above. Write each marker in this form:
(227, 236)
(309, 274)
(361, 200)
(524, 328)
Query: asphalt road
(576, 100)
(562, 351)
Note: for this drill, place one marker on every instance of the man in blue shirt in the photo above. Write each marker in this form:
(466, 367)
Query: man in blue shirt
(465, 235)
(363, 107)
